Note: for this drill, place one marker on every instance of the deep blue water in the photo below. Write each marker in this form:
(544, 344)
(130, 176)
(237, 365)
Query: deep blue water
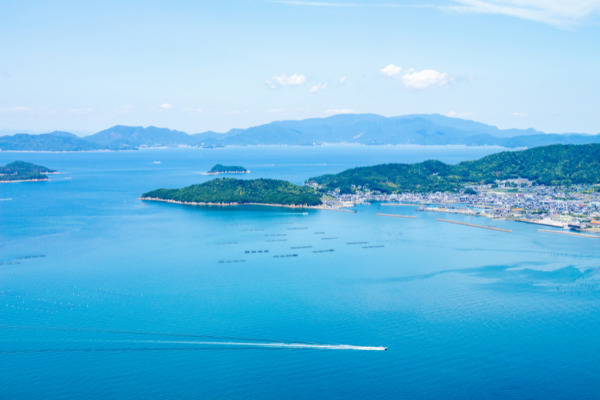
(92, 280)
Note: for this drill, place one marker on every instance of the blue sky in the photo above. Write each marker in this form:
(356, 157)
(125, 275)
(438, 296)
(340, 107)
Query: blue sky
(200, 65)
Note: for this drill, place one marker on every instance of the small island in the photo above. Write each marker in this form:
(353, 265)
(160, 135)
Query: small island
(231, 192)
(21, 171)
(227, 169)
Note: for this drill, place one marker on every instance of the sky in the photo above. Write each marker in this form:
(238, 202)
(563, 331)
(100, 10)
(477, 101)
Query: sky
(217, 65)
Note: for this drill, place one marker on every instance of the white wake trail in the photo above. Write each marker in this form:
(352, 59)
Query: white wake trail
(279, 345)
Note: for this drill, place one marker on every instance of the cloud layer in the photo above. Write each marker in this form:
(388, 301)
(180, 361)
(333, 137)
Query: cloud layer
(286, 80)
(553, 12)
(412, 79)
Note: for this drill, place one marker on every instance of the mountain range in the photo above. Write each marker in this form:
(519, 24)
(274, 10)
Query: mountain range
(367, 129)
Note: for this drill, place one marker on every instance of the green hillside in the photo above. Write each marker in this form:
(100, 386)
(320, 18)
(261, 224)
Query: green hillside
(548, 165)
(240, 191)
(23, 171)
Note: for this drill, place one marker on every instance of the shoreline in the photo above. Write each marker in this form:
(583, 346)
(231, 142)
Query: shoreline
(265, 145)
(191, 203)
(26, 180)
(226, 172)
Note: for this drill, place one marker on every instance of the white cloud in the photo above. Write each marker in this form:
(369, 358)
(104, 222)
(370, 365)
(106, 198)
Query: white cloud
(318, 87)
(285, 80)
(425, 79)
(559, 13)
(391, 70)
(166, 106)
(343, 80)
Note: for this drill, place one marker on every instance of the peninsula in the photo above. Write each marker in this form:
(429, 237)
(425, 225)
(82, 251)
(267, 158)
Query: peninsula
(21, 171)
(556, 185)
(555, 165)
(230, 192)
(227, 169)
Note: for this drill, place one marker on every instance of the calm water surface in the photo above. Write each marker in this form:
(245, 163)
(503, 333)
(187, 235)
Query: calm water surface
(104, 296)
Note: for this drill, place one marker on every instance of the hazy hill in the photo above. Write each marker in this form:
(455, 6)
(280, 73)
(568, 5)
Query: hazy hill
(374, 129)
(125, 137)
(368, 129)
(56, 141)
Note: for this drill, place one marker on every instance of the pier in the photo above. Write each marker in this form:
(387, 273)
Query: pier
(475, 226)
(396, 215)
(569, 233)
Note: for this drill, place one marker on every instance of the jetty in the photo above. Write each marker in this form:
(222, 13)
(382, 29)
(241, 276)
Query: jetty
(396, 215)
(475, 226)
(569, 233)
(401, 204)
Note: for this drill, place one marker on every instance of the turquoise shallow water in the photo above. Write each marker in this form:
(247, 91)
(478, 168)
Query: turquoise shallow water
(96, 287)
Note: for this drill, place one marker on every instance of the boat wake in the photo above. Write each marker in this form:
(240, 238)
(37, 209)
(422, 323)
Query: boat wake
(169, 343)
(279, 345)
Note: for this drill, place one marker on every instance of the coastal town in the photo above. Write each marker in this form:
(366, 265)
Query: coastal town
(574, 207)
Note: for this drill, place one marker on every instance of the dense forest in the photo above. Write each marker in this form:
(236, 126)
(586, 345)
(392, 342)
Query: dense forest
(548, 165)
(224, 169)
(240, 191)
(23, 171)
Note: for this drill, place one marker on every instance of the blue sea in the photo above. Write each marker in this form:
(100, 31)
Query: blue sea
(105, 296)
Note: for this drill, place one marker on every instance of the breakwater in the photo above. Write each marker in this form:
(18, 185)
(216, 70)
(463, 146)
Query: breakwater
(569, 233)
(396, 215)
(475, 226)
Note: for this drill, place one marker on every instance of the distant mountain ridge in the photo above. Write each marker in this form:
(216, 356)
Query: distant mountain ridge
(367, 129)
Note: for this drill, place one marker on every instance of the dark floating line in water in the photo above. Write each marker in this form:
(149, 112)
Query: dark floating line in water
(10, 263)
(373, 246)
(319, 233)
(253, 230)
(297, 229)
(276, 240)
(276, 234)
(30, 257)
(301, 247)
(323, 251)
(256, 251)
(285, 255)
(231, 261)
(328, 238)
(357, 242)
(224, 243)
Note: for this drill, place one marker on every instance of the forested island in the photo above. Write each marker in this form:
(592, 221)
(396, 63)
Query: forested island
(20, 171)
(555, 165)
(229, 191)
(227, 169)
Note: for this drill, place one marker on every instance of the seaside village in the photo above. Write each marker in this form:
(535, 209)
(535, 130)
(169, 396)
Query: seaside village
(574, 207)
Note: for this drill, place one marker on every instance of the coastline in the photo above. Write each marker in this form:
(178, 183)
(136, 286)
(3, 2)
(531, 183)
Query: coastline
(192, 203)
(26, 180)
(226, 172)
(342, 144)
